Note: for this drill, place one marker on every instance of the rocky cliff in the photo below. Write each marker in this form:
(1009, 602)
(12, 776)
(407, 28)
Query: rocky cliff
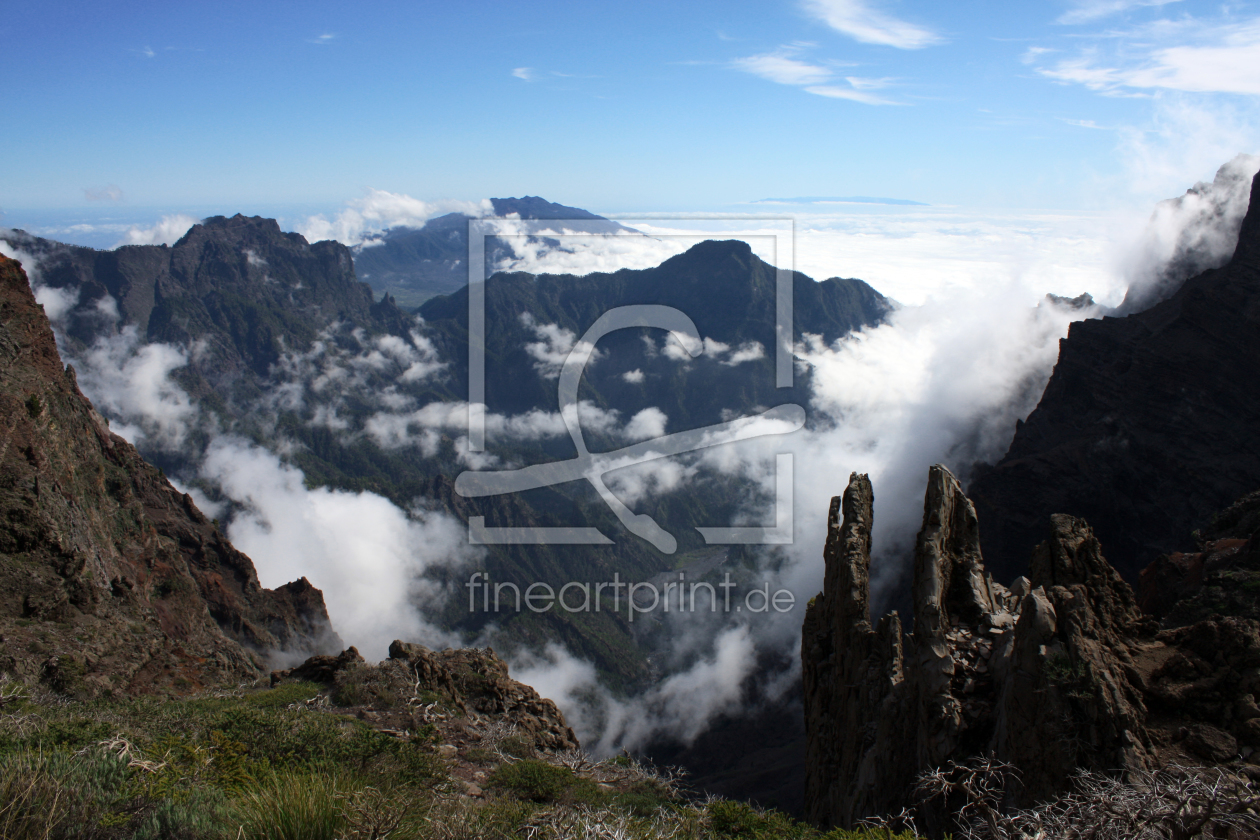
(1146, 427)
(111, 580)
(1060, 671)
(240, 288)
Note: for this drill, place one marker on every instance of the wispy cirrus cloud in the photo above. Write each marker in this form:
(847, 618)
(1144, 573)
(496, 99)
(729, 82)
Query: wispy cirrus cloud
(1188, 56)
(1084, 124)
(526, 73)
(861, 22)
(1088, 11)
(326, 38)
(784, 66)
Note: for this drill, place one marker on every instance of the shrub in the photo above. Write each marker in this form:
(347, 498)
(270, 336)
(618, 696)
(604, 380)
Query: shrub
(644, 798)
(283, 695)
(534, 780)
(517, 746)
(739, 819)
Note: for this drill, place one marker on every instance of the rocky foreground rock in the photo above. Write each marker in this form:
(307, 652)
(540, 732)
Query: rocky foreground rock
(463, 699)
(471, 686)
(1059, 671)
(111, 580)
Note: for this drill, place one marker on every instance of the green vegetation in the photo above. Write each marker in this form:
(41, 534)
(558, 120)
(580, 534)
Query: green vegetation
(283, 764)
(539, 781)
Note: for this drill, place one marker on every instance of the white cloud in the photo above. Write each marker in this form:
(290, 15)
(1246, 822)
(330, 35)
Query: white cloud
(837, 92)
(909, 253)
(749, 351)
(783, 67)
(366, 555)
(1201, 58)
(859, 21)
(1088, 11)
(648, 423)
(1185, 133)
(392, 430)
(1189, 234)
(1084, 124)
(131, 382)
(526, 73)
(321, 39)
(632, 481)
(380, 210)
(57, 303)
(681, 706)
(580, 251)
(553, 347)
(677, 348)
(634, 377)
(166, 232)
(347, 364)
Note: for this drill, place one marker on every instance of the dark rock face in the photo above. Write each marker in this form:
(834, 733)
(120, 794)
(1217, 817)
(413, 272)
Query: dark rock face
(1146, 427)
(1056, 673)
(241, 286)
(110, 578)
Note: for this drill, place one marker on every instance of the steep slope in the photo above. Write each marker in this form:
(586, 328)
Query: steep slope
(241, 286)
(110, 579)
(1146, 427)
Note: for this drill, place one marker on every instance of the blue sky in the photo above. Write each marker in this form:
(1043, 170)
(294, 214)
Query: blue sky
(1067, 104)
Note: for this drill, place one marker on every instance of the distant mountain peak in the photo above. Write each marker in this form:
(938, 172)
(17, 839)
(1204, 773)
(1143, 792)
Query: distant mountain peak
(415, 263)
(534, 207)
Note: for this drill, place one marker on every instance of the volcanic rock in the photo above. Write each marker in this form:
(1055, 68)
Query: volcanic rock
(472, 685)
(1062, 673)
(1146, 427)
(111, 580)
